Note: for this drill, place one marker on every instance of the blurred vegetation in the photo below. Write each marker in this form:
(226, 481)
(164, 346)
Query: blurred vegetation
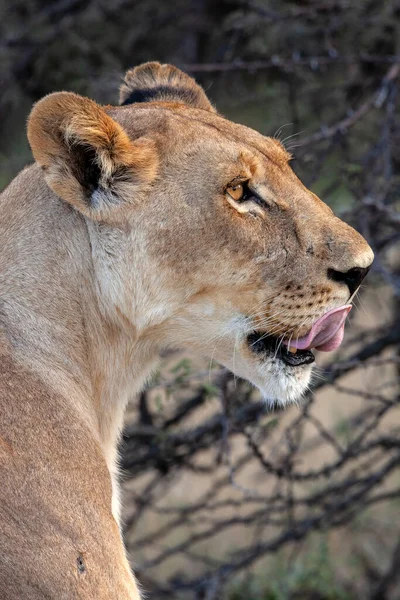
(323, 76)
(311, 577)
(317, 61)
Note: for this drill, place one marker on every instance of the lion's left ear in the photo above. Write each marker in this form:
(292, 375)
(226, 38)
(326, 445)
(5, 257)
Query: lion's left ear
(87, 158)
(154, 82)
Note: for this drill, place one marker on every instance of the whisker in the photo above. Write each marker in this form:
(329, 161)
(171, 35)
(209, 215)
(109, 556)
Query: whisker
(279, 345)
(291, 136)
(210, 364)
(233, 362)
(279, 130)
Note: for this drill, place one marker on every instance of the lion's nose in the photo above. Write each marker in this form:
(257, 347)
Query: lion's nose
(351, 278)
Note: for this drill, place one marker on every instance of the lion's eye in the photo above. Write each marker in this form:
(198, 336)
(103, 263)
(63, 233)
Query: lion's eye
(244, 200)
(236, 191)
(239, 192)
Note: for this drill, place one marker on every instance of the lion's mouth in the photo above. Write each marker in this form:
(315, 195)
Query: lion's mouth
(269, 345)
(326, 334)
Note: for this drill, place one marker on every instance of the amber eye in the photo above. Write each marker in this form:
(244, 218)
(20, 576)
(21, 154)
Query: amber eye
(236, 191)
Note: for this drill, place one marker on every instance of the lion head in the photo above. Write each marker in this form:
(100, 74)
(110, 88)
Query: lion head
(202, 235)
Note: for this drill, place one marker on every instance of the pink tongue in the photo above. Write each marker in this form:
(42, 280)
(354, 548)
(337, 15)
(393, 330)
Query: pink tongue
(327, 333)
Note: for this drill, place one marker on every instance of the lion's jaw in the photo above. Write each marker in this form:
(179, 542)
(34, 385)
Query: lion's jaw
(142, 297)
(227, 342)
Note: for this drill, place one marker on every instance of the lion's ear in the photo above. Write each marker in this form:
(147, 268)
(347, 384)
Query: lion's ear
(162, 83)
(88, 158)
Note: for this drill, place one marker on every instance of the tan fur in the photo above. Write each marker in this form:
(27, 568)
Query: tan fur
(60, 123)
(163, 83)
(119, 242)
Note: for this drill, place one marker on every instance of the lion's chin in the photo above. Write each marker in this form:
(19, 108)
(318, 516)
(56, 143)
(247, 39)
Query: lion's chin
(283, 385)
(279, 383)
(282, 376)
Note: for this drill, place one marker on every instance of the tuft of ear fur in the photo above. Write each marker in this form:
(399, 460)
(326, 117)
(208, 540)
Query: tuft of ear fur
(155, 82)
(88, 158)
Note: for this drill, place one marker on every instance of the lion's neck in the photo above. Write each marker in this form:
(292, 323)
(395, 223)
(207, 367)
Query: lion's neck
(53, 322)
(118, 370)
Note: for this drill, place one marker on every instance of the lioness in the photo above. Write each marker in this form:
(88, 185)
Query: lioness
(142, 226)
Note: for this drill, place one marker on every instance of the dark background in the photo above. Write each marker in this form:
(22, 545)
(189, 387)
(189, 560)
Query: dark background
(225, 499)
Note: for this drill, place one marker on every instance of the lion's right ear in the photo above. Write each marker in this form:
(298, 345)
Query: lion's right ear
(88, 158)
(154, 82)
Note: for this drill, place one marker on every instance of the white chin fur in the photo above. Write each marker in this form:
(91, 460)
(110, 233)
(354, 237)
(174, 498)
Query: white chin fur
(278, 383)
(283, 384)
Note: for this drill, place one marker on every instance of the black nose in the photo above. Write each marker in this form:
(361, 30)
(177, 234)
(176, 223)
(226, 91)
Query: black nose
(351, 278)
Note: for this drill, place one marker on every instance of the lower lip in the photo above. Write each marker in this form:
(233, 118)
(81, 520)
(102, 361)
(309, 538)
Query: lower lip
(300, 358)
(271, 347)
